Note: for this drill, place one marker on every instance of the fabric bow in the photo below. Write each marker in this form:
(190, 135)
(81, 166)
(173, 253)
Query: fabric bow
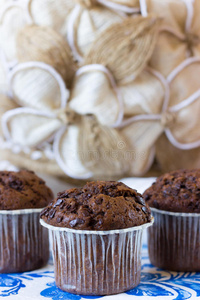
(41, 119)
(83, 145)
(179, 35)
(179, 116)
(135, 136)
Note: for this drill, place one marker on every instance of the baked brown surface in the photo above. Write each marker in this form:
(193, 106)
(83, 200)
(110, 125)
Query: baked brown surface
(23, 189)
(101, 205)
(177, 191)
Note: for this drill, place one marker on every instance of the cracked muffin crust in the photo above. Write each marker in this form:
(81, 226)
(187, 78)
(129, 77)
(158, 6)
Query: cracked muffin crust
(101, 205)
(23, 189)
(177, 191)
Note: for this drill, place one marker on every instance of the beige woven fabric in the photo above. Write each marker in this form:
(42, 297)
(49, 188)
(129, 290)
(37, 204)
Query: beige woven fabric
(171, 158)
(6, 104)
(87, 25)
(107, 114)
(34, 86)
(51, 13)
(37, 43)
(84, 146)
(125, 48)
(13, 18)
(3, 79)
(179, 38)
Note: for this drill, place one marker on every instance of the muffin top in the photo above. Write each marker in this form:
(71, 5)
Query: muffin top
(177, 191)
(101, 205)
(23, 189)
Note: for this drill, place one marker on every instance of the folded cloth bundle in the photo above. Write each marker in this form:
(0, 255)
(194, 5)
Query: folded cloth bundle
(114, 108)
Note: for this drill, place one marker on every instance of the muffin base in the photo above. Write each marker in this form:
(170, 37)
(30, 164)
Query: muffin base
(24, 242)
(96, 262)
(174, 241)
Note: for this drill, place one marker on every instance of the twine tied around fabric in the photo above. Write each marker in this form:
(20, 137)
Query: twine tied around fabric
(168, 119)
(169, 114)
(87, 3)
(100, 147)
(192, 41)
(67, 116)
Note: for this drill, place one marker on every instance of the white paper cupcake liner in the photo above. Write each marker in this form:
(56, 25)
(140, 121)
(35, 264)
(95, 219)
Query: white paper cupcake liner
(23, 241)
(174, 240)
(96, 262)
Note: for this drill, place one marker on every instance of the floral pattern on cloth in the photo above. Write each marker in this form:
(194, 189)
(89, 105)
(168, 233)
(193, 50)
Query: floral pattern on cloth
(154, 283)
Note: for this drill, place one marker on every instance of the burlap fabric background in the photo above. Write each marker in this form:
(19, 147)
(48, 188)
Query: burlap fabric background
(100, 89)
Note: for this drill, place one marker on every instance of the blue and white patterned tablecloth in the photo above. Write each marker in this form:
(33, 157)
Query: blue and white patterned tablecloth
(155, 283)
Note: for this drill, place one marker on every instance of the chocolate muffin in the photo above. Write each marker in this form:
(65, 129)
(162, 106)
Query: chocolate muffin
(23, 189)
(96, 234)
(98, 206)
(174, 239)
(24, 242)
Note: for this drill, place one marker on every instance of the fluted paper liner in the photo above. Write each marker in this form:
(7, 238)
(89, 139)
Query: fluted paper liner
(96, 262)
(174, 241)
(24, 242)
